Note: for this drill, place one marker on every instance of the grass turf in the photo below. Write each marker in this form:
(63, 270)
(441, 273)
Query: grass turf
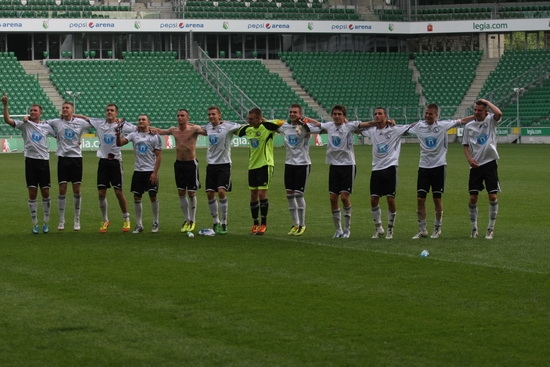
(82, 298)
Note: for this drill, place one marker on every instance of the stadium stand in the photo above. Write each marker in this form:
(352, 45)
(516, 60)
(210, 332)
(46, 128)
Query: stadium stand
(446, 76)
(279, 9)
(528, 69)
(65, 9)
(267, 90)
(359, 80)
(143, 82)
(22, 90)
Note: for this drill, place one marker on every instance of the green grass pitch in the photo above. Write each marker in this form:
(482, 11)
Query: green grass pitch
(119, 299)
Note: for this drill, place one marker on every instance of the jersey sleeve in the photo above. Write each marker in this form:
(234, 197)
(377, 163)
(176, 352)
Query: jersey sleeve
(273, 125)
(242, 130)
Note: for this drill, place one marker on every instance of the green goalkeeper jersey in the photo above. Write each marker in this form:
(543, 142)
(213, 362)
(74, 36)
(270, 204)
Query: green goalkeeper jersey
(260, 142)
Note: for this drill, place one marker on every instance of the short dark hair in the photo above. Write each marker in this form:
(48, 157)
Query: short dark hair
(433, 106)
(296, 105)
(339, 107)
(479, 103)
(215, 108)
(256, 111)
(113, 105)
(69, 103)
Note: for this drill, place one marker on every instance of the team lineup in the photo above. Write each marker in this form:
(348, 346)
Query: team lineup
(479, 144)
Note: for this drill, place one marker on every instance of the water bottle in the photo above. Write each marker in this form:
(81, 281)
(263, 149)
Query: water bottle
(424, 253)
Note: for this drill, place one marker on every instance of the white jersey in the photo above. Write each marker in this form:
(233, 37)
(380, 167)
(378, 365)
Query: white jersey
(105, 132)
(35, 137)
(386, 145)
(434, 141)
(481, 137)
(145, 145)
(69, 134)
(219, 141)
(340, 142)
(296, 144)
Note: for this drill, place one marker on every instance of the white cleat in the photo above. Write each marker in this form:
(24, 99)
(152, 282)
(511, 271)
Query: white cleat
(61, 225)
(338, 234)
(389, 236)
(346, 233)
(437, 233)
(76, 226)
(489, 234)
(379, 232)
(138, 229)
(474, 233)
(421, 234)
(155, 228)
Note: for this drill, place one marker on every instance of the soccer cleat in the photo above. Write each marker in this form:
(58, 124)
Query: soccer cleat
(223, 229)
(217, 227)
(293, 230)
(104, 226)
(191, 227)
(338, 234)
(300, 231)
(76, 225)
(35, 229)
(489, 234)
(126, 225)
(138, 229)
(261, 230)
(346, 233)
(185, 227)
(61, 225)
(379, 232)
(436, 233)
(254, 229)
(421, 234)
(474, 233)
(155, 227)
(46, 228)
(389, 235)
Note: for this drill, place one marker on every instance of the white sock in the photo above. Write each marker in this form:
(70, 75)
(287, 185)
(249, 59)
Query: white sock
(61, 201)
(377, 216)
(347, 218)
(155, 208)
(224, 209)
(336, 217)
(103, 206)
(184, 204)
(139, 210)
(213, 206)
(292, 208)
(46, 208)
(192, 207)
(77, 200)
(301, 205)
(493, 212)
(33, 208)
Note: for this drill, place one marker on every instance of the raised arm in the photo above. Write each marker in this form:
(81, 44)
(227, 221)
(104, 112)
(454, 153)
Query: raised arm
(7, 119)
(466, 119)
(496, 111)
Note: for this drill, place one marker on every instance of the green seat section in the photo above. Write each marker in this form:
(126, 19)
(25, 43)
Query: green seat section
(153, 83)
(265, 10)
(527, 69)
(266, 89)
(23, 90)
(446, 76)
(361, 81)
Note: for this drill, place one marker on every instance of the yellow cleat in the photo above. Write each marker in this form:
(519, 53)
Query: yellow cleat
(293, 230)
(104, 226)
(300, 231)
(126, 225)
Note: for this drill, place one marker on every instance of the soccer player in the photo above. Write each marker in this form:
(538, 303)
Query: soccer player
(433, 139)
(259, 133)
(386, 146)
(218, 169)
(109, 171)
(297, 167)
(37, 160)
(480, 148)
(148, 156)
(186, 166)
(341, 158)
(69, 130)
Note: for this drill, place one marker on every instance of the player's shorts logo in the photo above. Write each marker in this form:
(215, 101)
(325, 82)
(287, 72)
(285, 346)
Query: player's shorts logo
(36, 136)
(69, 134)
(213, 139)
(431, 142)
(482, 139)
(142, 148)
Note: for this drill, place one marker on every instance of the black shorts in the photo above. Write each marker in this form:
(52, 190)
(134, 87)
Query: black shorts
(384, 182)
(260, 178)
(487, 173)
(296, 177)
(218, 176)
(69, 169)
(433, 178)
(187, 175)
(141, 182)
(109, 173)
(37, 173)
(341, 179)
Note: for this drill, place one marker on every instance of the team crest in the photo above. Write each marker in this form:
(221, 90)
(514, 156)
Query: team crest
(254, 143)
